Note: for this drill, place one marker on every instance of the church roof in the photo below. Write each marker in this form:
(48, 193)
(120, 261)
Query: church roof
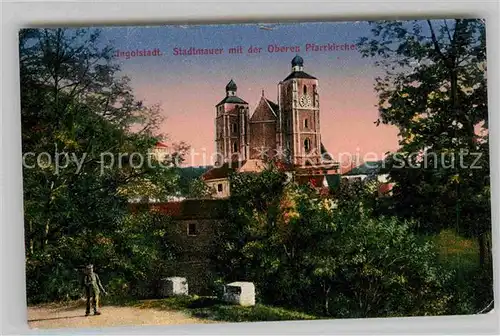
(274, 106)
(265, 110)
(297, 60)
(299, 74)
(232, 100)
(231, 86)
(252, 166)
(325, 153)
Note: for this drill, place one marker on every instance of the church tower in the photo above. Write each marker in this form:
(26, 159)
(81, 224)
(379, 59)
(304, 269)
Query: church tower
(231, 125)
(298, 126)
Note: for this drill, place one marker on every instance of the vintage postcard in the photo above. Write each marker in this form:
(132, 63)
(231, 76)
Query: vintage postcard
(180, 174)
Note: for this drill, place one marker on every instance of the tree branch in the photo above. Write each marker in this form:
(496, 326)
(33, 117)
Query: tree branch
(436, 43)
(448, 31)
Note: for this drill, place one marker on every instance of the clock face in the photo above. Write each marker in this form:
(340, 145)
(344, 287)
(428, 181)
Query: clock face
(305, 101)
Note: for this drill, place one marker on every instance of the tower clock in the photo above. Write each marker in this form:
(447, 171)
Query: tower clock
(300, 115)
(305, 101)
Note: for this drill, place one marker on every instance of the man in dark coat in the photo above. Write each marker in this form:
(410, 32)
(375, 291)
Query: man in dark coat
(93, 288)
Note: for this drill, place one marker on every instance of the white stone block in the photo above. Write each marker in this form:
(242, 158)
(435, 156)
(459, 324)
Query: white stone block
(240, 293)
(174, 286)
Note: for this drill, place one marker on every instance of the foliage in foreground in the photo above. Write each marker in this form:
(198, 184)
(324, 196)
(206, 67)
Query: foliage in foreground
(434, 90)
(129, 261)
(327, 256)
(76, 108)
(470, 285)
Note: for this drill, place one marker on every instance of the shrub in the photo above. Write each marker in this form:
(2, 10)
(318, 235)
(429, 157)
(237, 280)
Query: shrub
(336, 261)
(129, 261)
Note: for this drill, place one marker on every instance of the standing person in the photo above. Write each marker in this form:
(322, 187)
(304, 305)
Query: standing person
(93, 288)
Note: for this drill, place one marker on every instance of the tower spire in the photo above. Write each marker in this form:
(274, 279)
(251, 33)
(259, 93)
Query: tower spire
(297, 63)
(231, 88)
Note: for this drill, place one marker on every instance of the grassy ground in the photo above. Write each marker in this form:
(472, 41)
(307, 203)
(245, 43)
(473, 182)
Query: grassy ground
(457, 252)
(215, 310)
(472, 287)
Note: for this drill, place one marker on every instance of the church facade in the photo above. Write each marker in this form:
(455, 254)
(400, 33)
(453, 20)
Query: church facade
(286, 131)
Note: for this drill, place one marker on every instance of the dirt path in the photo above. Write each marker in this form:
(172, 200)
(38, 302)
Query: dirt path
(73, 316)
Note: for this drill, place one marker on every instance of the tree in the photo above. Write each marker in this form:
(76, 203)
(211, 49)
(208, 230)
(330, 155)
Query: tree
(191, 184)
(434, 90)
(327, 256)
(81, 126)
(251, 216)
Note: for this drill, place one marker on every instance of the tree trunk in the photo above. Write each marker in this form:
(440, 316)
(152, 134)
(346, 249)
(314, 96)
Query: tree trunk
(482, 250)
(484, 242)
(327, 299)
(489, 251)
(30, 239)
(46, 235)
(45, 239)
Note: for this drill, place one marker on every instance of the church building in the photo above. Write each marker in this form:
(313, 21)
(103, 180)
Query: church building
(286, 131)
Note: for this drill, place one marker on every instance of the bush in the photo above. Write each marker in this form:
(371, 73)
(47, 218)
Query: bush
(383, 270)
(129, 262)
(327, 256)
(470, 286)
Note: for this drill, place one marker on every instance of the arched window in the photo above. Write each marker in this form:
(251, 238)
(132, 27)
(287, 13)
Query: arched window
(307, 145)
(305, 89)
(306, 123)
(235, 147)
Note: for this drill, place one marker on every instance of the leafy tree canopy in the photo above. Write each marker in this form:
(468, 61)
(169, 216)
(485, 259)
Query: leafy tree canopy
(434, 90)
